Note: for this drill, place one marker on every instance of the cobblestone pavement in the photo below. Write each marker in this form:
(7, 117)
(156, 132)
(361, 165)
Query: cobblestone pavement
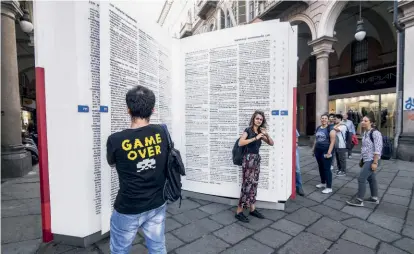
(317, 223)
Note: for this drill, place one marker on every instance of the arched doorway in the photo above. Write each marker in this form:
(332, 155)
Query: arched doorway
(366, 77)
(305, 97)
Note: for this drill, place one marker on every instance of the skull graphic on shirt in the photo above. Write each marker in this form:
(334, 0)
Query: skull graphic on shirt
(146, 164)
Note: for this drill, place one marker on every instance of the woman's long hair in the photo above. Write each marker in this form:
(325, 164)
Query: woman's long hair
(264, 123)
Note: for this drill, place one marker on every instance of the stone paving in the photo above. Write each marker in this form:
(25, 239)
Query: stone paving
(317, 223)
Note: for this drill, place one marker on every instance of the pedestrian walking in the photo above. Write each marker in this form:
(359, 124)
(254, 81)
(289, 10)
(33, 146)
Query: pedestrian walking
(340, 145)
(322, 150)
(351, 129)
(252, 138)
(370, 156)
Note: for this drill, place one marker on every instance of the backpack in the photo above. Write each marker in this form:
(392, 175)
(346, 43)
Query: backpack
(175, 169)
(238, 153)
(387, 146)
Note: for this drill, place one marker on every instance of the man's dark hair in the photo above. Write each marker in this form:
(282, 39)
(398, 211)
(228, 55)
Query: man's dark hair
(331, 114)
(339, 116)
(140, 102)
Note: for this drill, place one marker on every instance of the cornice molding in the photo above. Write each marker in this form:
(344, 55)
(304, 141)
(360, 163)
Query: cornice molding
(11, 9)
(322, 46)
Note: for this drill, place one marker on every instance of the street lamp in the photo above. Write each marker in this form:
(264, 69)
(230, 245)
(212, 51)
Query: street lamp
(25, 23)
(360, 31)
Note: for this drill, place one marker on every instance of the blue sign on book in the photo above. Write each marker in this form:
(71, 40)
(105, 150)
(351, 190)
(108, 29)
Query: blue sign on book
(83, 108)
(275, 112)
(103, 109)
(283, 112)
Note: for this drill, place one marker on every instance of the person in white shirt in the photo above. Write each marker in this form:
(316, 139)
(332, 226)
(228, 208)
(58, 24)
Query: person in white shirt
(351, 129)
(340, 145)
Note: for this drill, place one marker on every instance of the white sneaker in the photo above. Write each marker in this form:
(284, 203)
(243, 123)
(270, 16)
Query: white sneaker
(321, 185)
(327, 191)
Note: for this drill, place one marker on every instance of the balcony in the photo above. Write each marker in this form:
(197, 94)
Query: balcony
(204, 7)
(273, 9)
(186, 30)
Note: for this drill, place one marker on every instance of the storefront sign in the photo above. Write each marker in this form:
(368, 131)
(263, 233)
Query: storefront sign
(380, 79)
(409, 103)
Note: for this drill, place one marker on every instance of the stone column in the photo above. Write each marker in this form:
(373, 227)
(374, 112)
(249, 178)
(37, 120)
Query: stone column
(322, 47)
(405, 149)
(15, 160)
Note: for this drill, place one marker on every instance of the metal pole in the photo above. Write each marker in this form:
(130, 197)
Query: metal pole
(400, 78)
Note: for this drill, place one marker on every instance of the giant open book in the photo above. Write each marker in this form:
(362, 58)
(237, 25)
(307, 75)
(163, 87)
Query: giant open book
(207, 86)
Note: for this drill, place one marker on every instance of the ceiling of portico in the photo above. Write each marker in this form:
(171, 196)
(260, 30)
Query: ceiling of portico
(304, 36)
(377, 23)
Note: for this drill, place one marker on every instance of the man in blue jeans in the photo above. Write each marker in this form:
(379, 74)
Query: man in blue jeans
(139, 155)
(299, 189)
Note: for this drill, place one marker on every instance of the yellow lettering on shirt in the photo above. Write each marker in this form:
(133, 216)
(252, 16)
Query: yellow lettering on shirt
(143, 150)
(142, 153)
(157, 150)
(150, 151)
(126, 145)
(158, 138)
(149, 141)
(138, 144)
(132, 155)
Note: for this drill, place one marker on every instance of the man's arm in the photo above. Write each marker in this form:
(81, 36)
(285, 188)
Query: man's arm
(352, 127)
(337, 127)
(110, 155)
(332, 137)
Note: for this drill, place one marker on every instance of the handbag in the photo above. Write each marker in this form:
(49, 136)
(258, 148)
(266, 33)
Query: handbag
(354, 140)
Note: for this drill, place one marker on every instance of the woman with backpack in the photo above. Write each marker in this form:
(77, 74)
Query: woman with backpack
(252, 138)
(371, 154)
(325, 137)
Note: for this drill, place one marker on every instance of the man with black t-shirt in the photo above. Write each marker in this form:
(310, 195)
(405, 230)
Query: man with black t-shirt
(139, 155)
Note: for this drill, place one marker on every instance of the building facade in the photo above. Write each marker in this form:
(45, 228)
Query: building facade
(17, 88)
(336, 72)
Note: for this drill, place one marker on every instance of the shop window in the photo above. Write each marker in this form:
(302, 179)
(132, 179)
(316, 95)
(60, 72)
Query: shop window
(228, 20)
(382, 108)
(312, 69)
(210, 27)
(239, 11)
(359, 51)
(222, 19)
(241, 15)
(252, 9)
